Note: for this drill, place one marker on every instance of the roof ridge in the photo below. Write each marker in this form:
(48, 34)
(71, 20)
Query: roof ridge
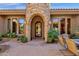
(12, 9)
(66, 9)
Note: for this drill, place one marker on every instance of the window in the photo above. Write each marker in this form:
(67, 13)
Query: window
(55, 23)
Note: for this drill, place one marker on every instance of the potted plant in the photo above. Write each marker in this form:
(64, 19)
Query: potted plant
(52, 36)
(0, 36)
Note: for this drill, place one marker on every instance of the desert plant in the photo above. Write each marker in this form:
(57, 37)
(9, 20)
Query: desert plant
(22, 38)
(11, 35)
(52, 35)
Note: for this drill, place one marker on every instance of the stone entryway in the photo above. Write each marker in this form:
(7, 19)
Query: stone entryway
(37, 27)
(34, 48)
(34, 10)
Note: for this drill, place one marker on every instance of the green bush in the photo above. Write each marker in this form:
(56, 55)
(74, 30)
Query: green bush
(74, 36)
(52, 35)
(11, 35)
(5, 35)
(22, 38)
(0, 36)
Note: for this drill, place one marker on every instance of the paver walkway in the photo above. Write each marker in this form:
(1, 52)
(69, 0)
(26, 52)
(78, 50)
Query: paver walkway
(33, 48)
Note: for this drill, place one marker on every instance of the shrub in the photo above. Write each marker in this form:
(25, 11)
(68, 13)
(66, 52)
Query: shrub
(52, 35)
(11, 35)
(22, 38)
(4, 35)
(0, 36)
(74, 36)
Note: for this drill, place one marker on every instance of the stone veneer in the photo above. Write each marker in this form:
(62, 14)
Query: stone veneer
(34, 9)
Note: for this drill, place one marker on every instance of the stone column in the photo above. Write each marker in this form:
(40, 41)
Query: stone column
(11, 25)
(59, 26)
(28, 30)
(66, 25)
(17, 28)
(46, 30)
(6, 25)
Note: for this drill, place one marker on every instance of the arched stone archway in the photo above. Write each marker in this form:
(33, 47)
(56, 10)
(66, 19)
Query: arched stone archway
(41, 10)
(37, 27)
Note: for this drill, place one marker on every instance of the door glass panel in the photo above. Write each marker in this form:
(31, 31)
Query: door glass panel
(38, 29)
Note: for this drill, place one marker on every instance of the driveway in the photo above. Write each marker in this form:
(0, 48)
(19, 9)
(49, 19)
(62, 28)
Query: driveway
(34, 48)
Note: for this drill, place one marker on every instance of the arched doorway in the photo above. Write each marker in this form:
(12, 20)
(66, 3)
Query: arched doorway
(37, 27)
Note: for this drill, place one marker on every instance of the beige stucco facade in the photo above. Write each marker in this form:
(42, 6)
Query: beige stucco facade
(47, 16)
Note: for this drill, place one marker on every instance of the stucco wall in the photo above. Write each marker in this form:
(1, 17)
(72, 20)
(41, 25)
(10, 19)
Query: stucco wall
(75, 23)
(2, 24)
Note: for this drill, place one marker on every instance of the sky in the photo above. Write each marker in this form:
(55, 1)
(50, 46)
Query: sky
(12, 5)
(65, 5)
(52, 5)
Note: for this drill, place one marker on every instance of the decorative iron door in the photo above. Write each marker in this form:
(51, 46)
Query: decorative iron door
(38, 29)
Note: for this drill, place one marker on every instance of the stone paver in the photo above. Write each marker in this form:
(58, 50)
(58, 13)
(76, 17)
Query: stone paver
(33, 48)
